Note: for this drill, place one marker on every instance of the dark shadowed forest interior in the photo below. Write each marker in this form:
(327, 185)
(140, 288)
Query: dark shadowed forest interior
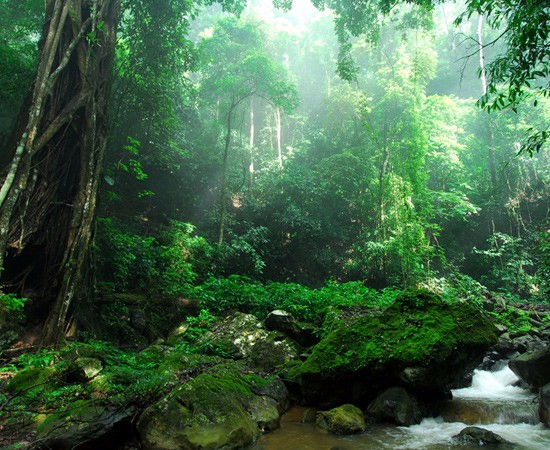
(274, 224)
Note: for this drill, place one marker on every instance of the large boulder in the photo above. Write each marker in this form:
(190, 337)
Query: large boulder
(345, 419)
(533, 367)
(397, 406)
(420, 341)
(85, 425)
(279, 320)
(214, 410)
(241, 335)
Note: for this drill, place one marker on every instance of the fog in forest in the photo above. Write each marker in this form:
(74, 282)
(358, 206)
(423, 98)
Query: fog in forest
(174, 171)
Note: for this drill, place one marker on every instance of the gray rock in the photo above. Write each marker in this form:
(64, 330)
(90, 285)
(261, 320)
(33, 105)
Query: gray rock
(481, 437)
(309, 415)
(265, 412)
(544, 405)
(396, 405)
(242, 336)
(283, 321)
(345, 419)
(533, 367)
(275, 389)
(84, 369)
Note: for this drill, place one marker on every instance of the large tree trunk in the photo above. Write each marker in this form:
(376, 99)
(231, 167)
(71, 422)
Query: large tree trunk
(48, 196)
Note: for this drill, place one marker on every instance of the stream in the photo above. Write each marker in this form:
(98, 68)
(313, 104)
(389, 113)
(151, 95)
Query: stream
(492, 402)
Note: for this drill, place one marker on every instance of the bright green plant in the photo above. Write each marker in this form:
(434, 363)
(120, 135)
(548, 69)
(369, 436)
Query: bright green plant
(176, 258)
(12, 305)
(514, 319)
(510, 264)
(128, 260)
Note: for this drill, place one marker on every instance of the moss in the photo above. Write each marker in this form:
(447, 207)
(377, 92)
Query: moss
(514, 319)
(77, 411)
(207, 412)
(291, 370)
(32, 378)
(417, 329)
(345, 419)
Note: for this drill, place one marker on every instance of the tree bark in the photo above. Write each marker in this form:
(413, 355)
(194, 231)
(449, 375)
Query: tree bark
(279, 147)
(483, 76)
(223, 190)
(251, 169)
(48, 198)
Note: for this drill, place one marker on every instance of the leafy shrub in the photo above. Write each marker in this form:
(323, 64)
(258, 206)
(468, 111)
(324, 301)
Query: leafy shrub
(511, 264)
(167, 265)
(11, 305)
(516, 320)
(243, 255)
(128, 260)
(241, 293)
(181, 257)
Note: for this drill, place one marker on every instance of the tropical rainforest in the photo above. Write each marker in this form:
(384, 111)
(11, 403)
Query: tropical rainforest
(172, 169)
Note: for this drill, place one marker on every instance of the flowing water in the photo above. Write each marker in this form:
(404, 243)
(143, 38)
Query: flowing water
(492, 402)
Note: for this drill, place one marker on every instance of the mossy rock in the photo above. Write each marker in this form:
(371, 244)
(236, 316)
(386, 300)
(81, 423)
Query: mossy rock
(533, 367)
(420, 340)
(33, 378)
(85, 425)
(265, 412)
(345, 419)
(214, 410)
(283, 321)
(84, 369)
(243, 336)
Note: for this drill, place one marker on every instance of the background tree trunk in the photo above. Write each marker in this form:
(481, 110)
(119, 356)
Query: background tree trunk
(48, 196)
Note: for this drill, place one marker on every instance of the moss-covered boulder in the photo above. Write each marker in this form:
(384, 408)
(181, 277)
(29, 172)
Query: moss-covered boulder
(33, 378)
(283, 321)
(533, 367)
(84, 369)
(214, 410)
(241, 335)
(345, 419)
(85, 425)
(420, 341)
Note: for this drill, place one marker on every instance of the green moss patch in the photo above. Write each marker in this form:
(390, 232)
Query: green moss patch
(418, 330)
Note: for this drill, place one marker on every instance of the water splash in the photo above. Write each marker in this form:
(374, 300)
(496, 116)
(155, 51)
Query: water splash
(498, 385)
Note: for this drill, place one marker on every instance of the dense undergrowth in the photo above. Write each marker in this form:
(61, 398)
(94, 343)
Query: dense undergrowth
(36, 382)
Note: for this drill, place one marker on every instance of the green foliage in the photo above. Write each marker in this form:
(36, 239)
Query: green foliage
(39, 382)
(237, 292)
(542, 253)
(510, 265)
(20, 25)
(179, 257)
(243, 254)
(128, 260)
(514, 319)
(12, 305)
(165, 265)
(523, 26)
